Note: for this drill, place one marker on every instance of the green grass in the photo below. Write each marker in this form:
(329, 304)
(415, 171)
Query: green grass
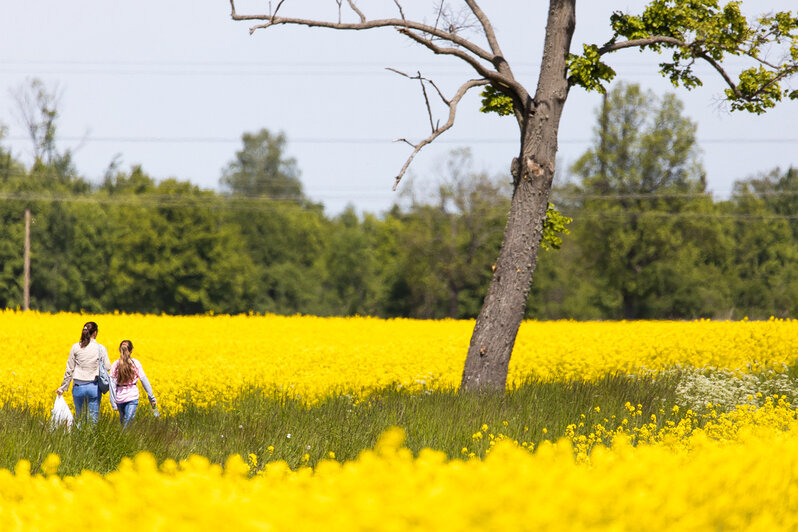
(443, 420)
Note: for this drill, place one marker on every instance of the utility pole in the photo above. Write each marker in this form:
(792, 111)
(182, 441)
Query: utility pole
(26, 288)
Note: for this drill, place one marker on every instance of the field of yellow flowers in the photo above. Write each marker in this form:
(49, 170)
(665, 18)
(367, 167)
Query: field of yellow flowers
(718, 478)
(677, 469)
(204, 359)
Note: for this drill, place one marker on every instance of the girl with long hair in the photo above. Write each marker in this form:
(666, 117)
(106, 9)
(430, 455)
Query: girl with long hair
(125, 374)
(83, 367)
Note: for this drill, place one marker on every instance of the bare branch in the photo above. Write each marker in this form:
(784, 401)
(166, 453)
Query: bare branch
(426, 101)
(499, 62)
(490, 65)
(401, 11)
(487, 27)
(276, 9)
(437, 132)
(440, 94)
(440, 12)
(437, 90)
(762, 61)
(423, 34)
(365, 25)
(495, 77)
(421, 80)
(405, 141)
(356, 10)
(398, 72)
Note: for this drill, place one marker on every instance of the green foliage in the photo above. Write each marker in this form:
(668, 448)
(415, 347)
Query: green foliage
(553, 226)
(260, 168)
(702, 30)
(640, 185)
(765, 280)
(588, 71)
(647, 242)
(495, 101)
(354, 261)
(759, 91)
(286, 243)
(448, 243)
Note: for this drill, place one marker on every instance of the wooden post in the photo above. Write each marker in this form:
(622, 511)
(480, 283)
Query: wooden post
(26, 288)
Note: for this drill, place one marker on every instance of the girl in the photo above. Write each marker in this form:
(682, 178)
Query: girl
(83, 366)
(125, 373)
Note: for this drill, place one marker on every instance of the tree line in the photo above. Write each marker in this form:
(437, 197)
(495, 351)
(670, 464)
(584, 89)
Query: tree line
(646, 239)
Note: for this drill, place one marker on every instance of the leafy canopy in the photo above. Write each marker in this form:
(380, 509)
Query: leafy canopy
(495, 101)
(703, 30)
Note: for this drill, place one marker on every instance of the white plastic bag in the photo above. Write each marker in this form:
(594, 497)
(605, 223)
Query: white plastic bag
(61, 413)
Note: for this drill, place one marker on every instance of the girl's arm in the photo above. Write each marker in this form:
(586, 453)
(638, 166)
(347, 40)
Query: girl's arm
(144, 381)
(112, 396)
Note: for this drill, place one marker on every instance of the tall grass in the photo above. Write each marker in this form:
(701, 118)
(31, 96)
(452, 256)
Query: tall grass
(280, 428)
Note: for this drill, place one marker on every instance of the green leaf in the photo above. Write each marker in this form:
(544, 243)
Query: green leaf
(553, 226)
(588, 71)
(495, 101)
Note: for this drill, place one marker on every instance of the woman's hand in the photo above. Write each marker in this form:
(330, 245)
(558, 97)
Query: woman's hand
(59, 391)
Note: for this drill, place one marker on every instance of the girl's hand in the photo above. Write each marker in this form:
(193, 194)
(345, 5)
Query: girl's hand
(59, 391)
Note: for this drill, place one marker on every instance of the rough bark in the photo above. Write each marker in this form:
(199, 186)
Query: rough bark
(492, 341)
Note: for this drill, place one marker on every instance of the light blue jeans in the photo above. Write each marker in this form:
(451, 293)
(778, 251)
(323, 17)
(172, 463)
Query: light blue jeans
(127, 411)
(87, 395)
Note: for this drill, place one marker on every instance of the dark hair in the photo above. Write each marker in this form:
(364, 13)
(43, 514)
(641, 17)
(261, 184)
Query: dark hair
(88, 330)
(125, 372)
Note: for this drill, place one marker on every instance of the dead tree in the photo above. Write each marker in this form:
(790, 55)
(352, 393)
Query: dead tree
(692, 31)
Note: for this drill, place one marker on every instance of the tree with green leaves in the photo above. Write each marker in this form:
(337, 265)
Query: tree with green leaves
(173, 250)
(57, 282)
(260, 168)
(354, 260)
(765, 277)
(38, 111)
(12, 232)
(644, 213)
(691, 30)
(284, 233)
(449, 238)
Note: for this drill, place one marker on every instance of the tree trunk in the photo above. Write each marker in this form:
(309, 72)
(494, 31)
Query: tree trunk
(497, 325)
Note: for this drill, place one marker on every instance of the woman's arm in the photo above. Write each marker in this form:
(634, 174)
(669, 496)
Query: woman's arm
(70, 368)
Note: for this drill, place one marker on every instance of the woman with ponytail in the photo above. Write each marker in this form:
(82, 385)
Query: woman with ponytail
(125, 373)
(83, 367)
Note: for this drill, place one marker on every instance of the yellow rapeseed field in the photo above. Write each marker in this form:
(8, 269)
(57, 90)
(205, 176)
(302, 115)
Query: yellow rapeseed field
(739, 473)
(205, 359)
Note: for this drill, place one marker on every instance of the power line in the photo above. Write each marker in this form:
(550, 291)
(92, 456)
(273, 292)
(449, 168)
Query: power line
(266, 73)
(279, 68)
(367, 140)
(207, 200)
(378, 64)
(686, 214)
(665, 195)
(233, 202)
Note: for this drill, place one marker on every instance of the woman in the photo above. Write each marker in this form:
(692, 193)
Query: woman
(125, 373)
(83, 367)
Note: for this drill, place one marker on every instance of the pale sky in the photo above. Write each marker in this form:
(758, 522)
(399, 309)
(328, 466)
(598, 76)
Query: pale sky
(172, 84)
